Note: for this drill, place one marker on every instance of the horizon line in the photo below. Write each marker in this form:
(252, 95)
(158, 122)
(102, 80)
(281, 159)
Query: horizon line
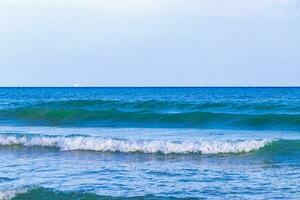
(174, 86)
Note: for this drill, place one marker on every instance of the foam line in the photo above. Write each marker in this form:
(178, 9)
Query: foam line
(144, 146)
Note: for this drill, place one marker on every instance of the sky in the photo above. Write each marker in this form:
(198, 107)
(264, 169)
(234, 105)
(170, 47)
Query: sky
(150, 42)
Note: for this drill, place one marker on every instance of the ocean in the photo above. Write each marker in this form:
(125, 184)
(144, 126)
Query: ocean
(149, 143)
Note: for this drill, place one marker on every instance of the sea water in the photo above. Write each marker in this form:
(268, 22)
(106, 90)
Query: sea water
(149, 143)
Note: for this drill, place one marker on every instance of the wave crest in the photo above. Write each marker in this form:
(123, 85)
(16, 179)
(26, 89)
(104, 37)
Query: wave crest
(126, 146)
(10, 194)
(45, 193)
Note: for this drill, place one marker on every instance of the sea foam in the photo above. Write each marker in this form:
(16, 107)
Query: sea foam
(89, 143)
(9, 194)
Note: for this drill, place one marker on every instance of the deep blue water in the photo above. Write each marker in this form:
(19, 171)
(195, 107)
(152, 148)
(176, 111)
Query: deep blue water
(149, 143)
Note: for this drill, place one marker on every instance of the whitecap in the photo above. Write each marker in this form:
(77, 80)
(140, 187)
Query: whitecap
(145, 146)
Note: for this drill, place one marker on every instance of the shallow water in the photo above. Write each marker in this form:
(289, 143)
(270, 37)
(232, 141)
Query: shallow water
(149, 143)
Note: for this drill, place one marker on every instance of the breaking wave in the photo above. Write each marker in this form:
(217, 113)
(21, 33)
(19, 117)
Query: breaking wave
(10, 194)
(89, 143)
(50, 194)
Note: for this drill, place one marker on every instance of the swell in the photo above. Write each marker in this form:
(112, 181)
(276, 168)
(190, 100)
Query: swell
(150, 105)
(100, 113)
(43, 193)
(89, 143)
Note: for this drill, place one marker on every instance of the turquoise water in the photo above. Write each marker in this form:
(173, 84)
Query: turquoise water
(149, 143)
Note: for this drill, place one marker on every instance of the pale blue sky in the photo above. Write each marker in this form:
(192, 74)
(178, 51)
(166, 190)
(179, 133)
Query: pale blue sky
(149, 42)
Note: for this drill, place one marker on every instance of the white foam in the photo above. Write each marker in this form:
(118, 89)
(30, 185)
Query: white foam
(9, 194)
(145, 146)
